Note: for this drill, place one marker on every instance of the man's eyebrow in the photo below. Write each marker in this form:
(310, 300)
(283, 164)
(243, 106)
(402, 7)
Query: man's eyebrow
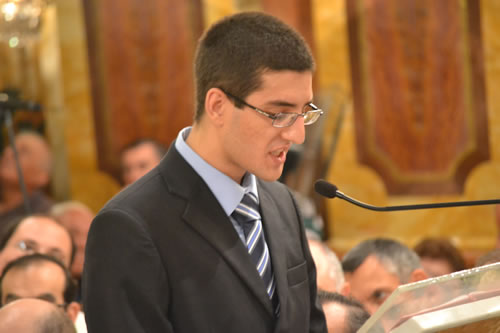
(56, 250)
(283, 103)
(11, 297)
(47, 297)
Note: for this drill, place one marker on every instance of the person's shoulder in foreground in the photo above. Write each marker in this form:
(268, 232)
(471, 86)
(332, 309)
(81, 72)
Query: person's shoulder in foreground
(170, 252)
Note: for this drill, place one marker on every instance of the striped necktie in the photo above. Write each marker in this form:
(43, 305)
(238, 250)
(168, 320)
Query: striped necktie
(248, 217)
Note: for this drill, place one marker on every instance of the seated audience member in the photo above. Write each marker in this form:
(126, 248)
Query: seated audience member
(439, 257)
(343, 314)
(376, 267)
(36, 234)
(39, 276)
(329, 274)
(489, 258)
(34, 316)
(139, 157)
(76, 217)
(36, 162)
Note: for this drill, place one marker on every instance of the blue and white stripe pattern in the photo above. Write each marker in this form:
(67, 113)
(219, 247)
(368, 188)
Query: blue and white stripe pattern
(248, 216)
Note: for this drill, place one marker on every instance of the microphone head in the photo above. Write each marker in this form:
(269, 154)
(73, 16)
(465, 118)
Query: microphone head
(325, 188)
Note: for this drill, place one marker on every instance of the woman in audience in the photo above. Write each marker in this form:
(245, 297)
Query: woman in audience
(438, 256)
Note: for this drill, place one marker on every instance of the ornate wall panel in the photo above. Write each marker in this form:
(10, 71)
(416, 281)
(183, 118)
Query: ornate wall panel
(419, 93)
(141, 55)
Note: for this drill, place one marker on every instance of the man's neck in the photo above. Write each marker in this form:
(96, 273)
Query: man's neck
(204, 142)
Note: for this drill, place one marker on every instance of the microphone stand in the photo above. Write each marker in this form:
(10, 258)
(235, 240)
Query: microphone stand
(331, 191)
(414, 207)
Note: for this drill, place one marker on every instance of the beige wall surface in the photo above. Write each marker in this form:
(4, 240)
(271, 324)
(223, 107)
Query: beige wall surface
(72, 125)
(472, 229)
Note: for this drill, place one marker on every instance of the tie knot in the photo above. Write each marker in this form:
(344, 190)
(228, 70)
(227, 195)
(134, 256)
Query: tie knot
(247, 210)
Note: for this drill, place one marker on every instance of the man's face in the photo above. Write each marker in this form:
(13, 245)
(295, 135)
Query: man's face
(77, 221)
(249, 141)
(43, 280)
(33, 158)
(136, 162)
(38, 235)
(371, 283)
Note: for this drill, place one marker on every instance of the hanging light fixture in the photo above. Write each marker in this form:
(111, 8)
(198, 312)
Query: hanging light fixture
(20, 20)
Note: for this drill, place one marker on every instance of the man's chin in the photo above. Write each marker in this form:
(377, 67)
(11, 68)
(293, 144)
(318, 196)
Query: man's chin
(270, 176)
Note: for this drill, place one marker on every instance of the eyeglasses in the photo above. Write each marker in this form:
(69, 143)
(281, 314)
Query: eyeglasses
(310, 113)
(31, 247)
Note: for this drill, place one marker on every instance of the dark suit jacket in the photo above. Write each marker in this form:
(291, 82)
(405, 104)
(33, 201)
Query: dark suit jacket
(162, 256)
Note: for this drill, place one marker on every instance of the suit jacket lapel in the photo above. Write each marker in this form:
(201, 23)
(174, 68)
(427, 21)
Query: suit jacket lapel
(274, 230)
(205, 215)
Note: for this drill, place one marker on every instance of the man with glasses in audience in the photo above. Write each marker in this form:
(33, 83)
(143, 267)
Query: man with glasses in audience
(36, 234)
(208, 241)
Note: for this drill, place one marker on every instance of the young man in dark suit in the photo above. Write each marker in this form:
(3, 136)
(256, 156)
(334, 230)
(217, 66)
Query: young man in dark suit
(208, 241)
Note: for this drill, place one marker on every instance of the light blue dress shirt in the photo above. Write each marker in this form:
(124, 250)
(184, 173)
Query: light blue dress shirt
(226, 190)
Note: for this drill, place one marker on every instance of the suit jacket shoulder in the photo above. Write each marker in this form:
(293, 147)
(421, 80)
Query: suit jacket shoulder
(162, 256)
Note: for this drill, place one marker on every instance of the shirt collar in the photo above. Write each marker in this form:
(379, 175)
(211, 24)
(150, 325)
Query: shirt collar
(227, 192)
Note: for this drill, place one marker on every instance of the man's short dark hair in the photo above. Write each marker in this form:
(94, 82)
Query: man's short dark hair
(234, 53)
(13, 224)
(159, 148)
(396, 258)
(38, 259)
(356, 313)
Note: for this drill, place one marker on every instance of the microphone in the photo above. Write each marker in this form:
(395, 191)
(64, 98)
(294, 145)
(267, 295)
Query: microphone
(331, 191)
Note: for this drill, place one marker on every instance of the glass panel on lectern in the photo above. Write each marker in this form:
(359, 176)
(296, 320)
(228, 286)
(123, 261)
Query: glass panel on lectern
(437, 304)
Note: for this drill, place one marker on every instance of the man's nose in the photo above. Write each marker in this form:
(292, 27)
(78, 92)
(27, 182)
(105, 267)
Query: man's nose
(296, 133)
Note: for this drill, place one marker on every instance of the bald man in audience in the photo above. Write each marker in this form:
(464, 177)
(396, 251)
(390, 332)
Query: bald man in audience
(34, 316)
(139, 157)
(36, 234)
(343, 314)
(35, 160)
(76, 217)
(376, 267)
(329, 273)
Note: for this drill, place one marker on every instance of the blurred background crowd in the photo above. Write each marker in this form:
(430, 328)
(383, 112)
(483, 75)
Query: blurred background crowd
(411, 117)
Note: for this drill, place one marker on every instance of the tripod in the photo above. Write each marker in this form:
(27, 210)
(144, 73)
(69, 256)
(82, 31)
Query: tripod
(9, 103)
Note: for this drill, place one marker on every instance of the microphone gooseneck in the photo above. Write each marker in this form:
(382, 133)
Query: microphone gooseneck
(331, 191)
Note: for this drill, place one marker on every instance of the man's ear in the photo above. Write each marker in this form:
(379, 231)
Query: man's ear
(72, 310)
(215, 104)
(418, 275)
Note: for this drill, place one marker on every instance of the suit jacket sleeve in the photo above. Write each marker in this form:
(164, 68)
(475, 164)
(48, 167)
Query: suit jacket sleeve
(125, 285)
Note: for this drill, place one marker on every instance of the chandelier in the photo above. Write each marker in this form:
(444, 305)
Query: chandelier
(20, 20)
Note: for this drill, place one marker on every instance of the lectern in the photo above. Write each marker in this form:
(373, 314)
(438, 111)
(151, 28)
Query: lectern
(465, 301)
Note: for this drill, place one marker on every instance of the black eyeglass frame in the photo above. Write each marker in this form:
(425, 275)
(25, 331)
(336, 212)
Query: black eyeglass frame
(275, 116)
